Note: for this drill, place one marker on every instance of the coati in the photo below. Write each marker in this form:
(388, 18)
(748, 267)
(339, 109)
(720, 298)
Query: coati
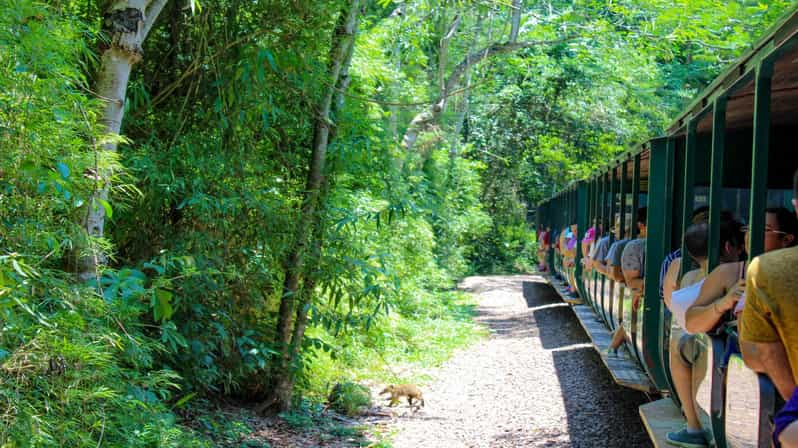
(403, 390)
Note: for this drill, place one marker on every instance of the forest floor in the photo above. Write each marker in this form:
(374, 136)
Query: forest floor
(536, 381)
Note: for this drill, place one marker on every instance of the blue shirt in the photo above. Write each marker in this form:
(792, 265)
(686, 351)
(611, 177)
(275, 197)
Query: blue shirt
(664, 270)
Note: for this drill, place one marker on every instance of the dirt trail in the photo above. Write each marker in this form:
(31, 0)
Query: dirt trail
(535, 382)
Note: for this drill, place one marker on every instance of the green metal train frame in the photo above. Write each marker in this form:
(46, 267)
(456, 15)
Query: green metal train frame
(696, 149)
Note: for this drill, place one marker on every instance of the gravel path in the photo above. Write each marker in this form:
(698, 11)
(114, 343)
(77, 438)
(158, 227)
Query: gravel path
(535, 382)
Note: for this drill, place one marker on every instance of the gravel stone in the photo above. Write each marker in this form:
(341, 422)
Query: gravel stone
(536, 382)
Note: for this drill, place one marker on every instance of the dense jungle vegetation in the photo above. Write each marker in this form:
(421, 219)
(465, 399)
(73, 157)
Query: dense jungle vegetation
(252, 201)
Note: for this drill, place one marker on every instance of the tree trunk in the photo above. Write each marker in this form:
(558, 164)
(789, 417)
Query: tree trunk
(515, 23)
(127, 23)
(393, 123)
(425, 119)
(289, 331)
(458, 124)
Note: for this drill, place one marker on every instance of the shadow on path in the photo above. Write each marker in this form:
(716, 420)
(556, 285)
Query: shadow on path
(597, 408)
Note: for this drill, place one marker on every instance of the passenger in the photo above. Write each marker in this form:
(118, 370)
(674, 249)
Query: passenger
(633, 259)
(569, 244)
(555, 240)
(544, 244)
(613, 258)
(587, 244)
(614, 272)
(684, 351)
(701, 214)
(599, 252)
(569, 257)
(726, 283)
(769, 322)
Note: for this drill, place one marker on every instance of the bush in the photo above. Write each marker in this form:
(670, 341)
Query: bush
(349, 398)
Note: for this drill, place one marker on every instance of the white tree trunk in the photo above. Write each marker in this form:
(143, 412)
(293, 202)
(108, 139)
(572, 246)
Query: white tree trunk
(515, 24)
(127, 23)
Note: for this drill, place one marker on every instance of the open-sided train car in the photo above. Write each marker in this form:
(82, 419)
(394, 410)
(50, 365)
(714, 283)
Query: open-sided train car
(732, 149)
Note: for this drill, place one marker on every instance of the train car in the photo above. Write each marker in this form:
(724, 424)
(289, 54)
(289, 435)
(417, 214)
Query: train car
(733, 149)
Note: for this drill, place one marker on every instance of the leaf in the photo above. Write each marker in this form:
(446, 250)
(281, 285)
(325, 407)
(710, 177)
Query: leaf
(182, 402)
(109, 212)
(18, 268)
(110, 292)
(63, 170)
(154, 267)
(163, 307)
(270, 58)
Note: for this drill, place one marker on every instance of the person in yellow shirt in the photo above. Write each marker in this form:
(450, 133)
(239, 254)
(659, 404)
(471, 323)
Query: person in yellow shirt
(769, 321)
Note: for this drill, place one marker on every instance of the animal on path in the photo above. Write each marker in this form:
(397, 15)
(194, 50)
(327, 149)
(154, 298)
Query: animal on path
(411, 391)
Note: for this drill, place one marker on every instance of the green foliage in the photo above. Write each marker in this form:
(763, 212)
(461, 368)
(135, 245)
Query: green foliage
(349, 398)
(422, 331)
(207, 188)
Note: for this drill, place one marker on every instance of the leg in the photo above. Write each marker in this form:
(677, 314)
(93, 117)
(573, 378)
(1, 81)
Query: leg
(682, 374)
(618, 338)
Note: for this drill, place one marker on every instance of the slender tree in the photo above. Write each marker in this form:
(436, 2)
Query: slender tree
(126, 24)
(294, 303)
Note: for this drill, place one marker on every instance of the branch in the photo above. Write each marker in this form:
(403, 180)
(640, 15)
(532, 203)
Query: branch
(151, 15)
(443, 54)
(491, 50)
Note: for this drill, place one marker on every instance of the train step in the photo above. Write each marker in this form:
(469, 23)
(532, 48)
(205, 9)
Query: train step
(624, 369)
(661, 417)
(622, 366)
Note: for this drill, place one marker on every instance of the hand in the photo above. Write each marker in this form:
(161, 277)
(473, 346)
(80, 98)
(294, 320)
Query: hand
(732, 296)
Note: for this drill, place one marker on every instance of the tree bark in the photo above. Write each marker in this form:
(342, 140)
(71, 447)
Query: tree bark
(290, 331)
(127, 23)
(458, 124)
(515, 24)
(443, 52)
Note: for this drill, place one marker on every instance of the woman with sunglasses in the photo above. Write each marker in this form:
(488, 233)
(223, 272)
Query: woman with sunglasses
(725, 285)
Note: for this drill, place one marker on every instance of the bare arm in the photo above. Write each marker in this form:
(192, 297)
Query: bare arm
(714, 299)
(770, 358)
(616, 274)
(669, 283)
(634, 280)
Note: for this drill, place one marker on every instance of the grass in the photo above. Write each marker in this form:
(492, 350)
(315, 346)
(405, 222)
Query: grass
(421, 334)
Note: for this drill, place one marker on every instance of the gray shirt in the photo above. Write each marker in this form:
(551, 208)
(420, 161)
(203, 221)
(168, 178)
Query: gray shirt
(613, 257)
(634, 256)
(601, 248)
